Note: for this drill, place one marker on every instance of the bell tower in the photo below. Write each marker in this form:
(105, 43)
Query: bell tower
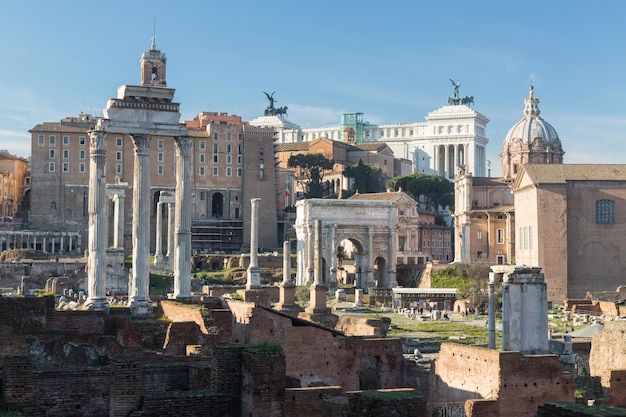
(153, 64)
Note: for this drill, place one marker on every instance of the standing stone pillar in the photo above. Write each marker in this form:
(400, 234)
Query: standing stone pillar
(182, 238)
(505, 318)
(96, 263)
(158, 246)
(491, 320)
(117, 193)
(310, 254)
(318, 311)
(370, 278)
(287, 303)
(140, 297)
(254, 272)
(170, 234)
(318, 289)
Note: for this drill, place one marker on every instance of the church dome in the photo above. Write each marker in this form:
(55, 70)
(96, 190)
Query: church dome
(532, 140)
(532, 128)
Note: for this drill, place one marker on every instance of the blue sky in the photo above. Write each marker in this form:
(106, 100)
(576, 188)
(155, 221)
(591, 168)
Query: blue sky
(390, 60)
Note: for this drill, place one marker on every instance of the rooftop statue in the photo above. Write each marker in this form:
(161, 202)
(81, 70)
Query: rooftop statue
(455, 100)
(270, 110)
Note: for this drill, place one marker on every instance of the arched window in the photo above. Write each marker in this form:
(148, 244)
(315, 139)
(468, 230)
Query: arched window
(605, 211)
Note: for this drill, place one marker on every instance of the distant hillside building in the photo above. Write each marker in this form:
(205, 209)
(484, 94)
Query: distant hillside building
(454, 135)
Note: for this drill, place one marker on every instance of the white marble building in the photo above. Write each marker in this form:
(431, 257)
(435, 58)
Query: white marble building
(453, 135)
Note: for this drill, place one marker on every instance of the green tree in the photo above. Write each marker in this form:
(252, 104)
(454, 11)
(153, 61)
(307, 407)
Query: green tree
(433, 190)
(310, 170)
(471, 281)
(367, 177)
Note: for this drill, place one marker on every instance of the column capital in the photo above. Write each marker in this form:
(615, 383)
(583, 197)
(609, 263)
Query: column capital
(97, 140)
(184, 145)
(141, 144)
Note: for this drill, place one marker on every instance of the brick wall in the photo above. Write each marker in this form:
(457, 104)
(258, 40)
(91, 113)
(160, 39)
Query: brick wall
(308, 401)
(263, 384)
(519, 383)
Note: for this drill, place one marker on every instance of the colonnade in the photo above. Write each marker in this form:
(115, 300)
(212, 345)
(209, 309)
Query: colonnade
(139, 283)
(447, 157)
(47, 242)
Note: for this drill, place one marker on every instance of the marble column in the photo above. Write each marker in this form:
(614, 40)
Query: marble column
(96, 262)
(492, 314)
(286, 301)
(117, 193)
(158, 245)
(318, 290)
(140, 297)
(170, 234)
(254, 272)
(182, 238)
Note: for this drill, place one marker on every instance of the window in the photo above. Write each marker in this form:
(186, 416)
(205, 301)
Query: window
(53, 140)
(201, 195)
(229, 172)
(261, 151)
(53, 205)
(202, 158)
(500, 235)
(239, 172)
(239, 159)
(160, 169)
(216, 171)
(530, 237)
(240, 149)
(40, 140)
(241, 136)
(118, 155)
(605, 211)
(118, 168)
(66, 140)
(66, 166)
(215, 158)
(160, 143)
(51, 167)
(82, 140)
(202, 145)
(229, 159)
(215, 148)
(66, 154)
(229, 148)
(51, 154)
(118, 142)
(201, 172)
(81, 154)
(215, 136)
(228, 136)
(480, 235)
(81, 167)
(160, 157)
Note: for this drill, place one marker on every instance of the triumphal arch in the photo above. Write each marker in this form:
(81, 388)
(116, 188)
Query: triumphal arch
(372, 223)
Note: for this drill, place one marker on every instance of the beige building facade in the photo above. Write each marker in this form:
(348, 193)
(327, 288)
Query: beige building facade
(14, 184)
(570, 220)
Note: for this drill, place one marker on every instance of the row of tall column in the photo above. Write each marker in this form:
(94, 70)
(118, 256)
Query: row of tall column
(28, 239)
(139, 282)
